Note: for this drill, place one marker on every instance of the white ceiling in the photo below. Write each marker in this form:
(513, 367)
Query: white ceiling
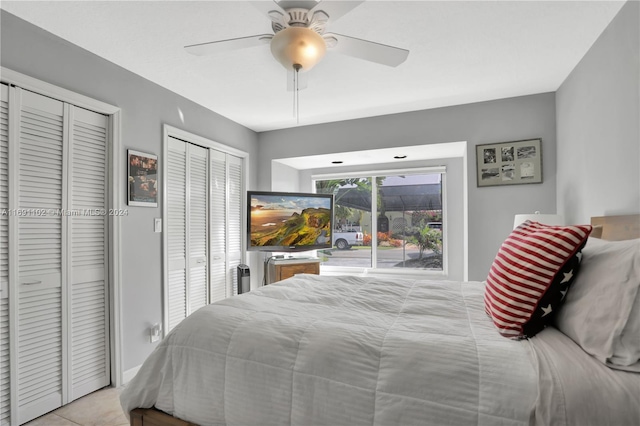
(460, 52)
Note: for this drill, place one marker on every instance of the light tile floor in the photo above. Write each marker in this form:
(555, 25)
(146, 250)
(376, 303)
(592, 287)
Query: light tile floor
(101, 408)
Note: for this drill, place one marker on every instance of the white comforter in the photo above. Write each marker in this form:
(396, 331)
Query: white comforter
(316, 350)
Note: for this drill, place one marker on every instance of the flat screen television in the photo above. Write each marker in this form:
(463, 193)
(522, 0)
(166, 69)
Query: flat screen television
(288, 221)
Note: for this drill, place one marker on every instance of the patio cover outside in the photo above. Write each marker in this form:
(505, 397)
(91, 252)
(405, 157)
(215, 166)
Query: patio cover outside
(399, 198)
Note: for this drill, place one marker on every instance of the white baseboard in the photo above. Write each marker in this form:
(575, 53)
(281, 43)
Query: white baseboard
(130, 374)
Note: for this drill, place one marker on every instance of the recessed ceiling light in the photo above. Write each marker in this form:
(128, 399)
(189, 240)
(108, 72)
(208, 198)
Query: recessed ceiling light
(336, 162)
(400, 157)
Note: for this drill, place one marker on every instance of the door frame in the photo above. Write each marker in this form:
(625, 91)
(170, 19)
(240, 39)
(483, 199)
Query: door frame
(115, 199)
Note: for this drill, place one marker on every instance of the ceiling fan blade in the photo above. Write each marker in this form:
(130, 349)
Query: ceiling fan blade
(302, 4)
(226, 45)
(367, 50)
(336, 9)
(267, 6)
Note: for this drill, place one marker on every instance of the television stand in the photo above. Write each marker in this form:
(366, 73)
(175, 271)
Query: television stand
(281, 269)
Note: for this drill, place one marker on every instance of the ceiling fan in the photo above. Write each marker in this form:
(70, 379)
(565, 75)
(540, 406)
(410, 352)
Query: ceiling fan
(299, 41)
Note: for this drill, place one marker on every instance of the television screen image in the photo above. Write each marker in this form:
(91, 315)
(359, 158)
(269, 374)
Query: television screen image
(286, 221)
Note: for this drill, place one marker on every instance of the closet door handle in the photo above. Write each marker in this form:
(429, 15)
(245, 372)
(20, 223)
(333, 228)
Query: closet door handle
(31, 282)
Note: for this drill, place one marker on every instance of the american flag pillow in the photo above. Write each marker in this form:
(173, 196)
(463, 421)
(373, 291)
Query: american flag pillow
(531, 275)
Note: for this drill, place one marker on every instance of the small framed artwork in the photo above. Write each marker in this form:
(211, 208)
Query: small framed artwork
(143, 179)
(509, 163)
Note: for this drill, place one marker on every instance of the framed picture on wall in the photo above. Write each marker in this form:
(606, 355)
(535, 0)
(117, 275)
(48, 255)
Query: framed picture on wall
(509, 163)
(143, 179)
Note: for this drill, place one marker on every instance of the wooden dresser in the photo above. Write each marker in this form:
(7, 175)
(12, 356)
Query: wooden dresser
(281, 269)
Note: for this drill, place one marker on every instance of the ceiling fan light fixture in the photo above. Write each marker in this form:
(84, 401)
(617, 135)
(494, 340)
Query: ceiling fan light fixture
(298, 46)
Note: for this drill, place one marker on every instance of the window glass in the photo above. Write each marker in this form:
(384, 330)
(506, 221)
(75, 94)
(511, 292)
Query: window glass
(408, 221)
(352, 222)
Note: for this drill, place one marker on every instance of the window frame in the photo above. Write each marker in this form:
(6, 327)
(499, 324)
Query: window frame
(373, 270)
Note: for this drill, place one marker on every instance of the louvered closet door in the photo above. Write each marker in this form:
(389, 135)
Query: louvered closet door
(218, 234)
(53, 245)
(5, 390)
(38, 255)
(197, 224)
(234, 221)
(187, 241)
(205, 192)
(176, 298)
(88, 357)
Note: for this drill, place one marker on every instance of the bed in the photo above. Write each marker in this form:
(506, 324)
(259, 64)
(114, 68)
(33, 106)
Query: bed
(318, 350)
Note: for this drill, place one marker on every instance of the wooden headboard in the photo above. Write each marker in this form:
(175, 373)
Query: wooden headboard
(616, 228)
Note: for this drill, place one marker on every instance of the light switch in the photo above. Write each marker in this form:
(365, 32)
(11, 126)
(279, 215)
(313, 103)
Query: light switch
(155, 332)
(157, 224)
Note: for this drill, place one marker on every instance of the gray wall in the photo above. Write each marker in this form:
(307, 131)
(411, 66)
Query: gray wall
(598, 124)
(145, 107)
(491, 209)
(285, 178)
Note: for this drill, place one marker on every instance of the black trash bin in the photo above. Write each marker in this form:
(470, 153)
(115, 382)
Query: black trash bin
(383, 223)
(244, 279)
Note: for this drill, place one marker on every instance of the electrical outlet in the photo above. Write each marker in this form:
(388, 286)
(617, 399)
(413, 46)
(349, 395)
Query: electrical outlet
(155, 332)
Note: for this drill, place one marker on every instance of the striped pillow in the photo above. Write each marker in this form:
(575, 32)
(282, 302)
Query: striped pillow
(530, 276)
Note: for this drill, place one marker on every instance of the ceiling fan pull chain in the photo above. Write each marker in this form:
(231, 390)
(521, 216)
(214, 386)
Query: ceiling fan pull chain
(295, 93)
(296, 90)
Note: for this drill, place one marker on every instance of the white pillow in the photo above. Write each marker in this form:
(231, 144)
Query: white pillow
(602, 311)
